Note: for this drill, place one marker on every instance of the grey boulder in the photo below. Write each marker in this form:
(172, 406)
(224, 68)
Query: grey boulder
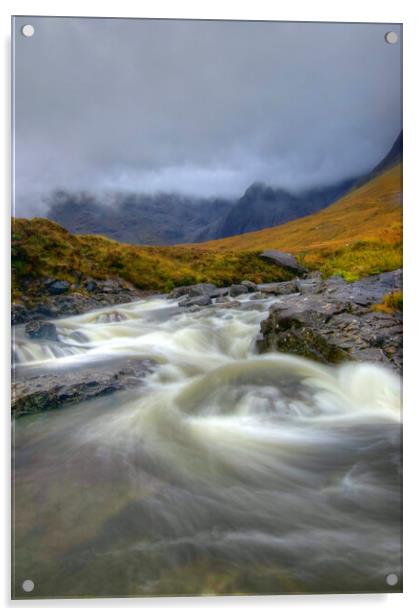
(284, 259)
(57, 287)
(41, 329)
(251, 286)
(195, 290)
(238, 289)
(200, 300)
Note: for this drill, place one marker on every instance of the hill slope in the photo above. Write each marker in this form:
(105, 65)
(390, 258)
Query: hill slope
(168, 219)
(161, 219)
(357, 236)
(363, 231)
(262, 206)
(370, 212)
(41, 249)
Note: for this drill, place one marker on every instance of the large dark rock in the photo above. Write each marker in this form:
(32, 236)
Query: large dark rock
(90, 285)
(200, 300)
(19, 313)
(195, 290)
(41, 329)
(238, 289)
(294, 332)
(334, 321)
(251, 286)
(280, 288)
(284, 259)
(43, 393)
(57, 287)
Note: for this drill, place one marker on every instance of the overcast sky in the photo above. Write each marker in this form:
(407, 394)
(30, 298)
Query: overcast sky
(202, 108)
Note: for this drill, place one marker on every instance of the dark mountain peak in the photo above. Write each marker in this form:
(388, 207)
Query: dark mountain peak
(170, 218)
(263, 192)
(256, 188)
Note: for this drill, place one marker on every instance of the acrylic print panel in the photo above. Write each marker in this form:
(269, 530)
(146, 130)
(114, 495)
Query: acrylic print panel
(207, 308)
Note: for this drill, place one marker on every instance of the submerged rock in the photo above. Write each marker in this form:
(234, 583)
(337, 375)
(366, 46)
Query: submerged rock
(41, 329)
(227, 303)
(200, 300)
(259, 295)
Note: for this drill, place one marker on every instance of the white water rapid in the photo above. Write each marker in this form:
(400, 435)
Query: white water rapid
(225, 472)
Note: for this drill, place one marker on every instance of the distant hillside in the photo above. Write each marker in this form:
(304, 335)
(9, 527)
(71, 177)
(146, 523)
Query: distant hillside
(357, 236)
(263, 206)
(345, 235)
(41, 249)
(167, 219)
(161, 219)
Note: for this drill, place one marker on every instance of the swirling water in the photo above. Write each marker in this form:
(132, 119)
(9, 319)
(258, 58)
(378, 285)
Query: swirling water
(225, 472)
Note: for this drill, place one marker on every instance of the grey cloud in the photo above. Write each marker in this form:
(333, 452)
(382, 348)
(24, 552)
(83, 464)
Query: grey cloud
(201, 108)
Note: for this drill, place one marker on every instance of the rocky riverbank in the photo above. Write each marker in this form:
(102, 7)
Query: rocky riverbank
(34, 394)
(57, 298)
(325, 320)
(332, 321)
(329, 321)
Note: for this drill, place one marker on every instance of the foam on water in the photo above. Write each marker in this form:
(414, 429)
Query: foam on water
(223, 465)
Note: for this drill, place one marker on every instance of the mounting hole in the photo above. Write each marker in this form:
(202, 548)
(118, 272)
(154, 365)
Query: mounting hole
(28, 585)
(27, 30)
(392, 579)
(391, 38)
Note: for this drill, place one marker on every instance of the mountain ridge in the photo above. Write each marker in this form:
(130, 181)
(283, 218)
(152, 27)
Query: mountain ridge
(171, 218)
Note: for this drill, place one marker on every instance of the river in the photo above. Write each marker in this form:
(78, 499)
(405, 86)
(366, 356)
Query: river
(225, 472)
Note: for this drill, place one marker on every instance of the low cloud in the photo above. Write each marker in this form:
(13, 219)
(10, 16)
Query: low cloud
(200, 108)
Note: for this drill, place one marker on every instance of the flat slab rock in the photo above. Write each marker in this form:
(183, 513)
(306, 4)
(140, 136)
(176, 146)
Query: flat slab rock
(333, 321)
(34, 394)
(284, 259)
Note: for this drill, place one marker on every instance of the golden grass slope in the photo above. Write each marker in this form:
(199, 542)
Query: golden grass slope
(371, 212)
(42, 249)
(360, 234)
(357, 236)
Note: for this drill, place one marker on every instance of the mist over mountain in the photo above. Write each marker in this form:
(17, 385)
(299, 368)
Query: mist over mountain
(262, 206)
(393, 157)
(163, 218)
(170, 218)
(200, 108)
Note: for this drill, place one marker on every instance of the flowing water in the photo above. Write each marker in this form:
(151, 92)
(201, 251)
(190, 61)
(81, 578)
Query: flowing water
(225, 472)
